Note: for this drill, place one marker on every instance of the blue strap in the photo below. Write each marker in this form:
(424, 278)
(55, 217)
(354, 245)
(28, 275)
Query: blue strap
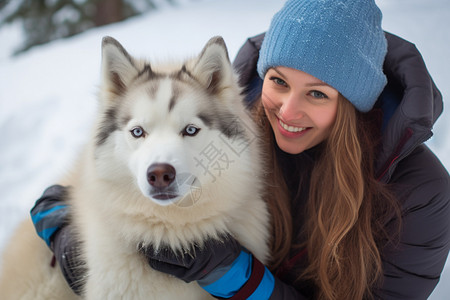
(42, 214)
(236, 277)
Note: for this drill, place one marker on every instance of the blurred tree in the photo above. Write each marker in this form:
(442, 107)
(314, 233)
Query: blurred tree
(47, 20)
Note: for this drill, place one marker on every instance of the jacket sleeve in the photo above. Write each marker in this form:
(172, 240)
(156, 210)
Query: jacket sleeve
(49, 213)
(412, 268)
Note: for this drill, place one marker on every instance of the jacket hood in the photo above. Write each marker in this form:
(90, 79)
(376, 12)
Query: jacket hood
(411, 102)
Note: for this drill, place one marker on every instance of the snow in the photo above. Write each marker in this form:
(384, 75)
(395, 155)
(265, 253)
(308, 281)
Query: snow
(47, 95)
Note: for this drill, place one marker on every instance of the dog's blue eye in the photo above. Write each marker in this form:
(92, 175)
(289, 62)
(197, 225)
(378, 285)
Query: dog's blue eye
(137, 132)
(190, 130)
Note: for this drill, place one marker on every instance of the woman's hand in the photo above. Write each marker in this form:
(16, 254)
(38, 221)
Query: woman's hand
(221, 266)
(49, 216)
(196, 263)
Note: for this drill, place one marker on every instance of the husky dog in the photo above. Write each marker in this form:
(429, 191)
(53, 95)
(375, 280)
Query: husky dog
(174, 160)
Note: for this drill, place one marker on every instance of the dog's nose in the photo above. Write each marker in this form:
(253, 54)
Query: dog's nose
(160, 175)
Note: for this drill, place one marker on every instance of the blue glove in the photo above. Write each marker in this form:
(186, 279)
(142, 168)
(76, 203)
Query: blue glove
(49, 213)
(221, 267)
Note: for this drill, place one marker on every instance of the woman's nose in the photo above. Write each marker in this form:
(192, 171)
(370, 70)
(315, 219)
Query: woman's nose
(291, 108)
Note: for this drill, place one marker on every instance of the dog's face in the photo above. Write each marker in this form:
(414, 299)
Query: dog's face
(170, 131)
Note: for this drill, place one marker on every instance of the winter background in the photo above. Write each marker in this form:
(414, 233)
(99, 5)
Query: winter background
(47, 95)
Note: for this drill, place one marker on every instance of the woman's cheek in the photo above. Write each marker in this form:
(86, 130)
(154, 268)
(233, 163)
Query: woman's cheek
(268, 99)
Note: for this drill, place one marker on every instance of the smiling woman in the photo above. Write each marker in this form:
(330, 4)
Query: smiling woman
(341, 217)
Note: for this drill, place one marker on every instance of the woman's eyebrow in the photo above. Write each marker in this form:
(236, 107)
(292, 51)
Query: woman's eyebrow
(318, 84)
(279, 72)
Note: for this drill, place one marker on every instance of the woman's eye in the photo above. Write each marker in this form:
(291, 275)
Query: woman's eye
(318, 95)
(278, 81)
(137, 132)
(190, 130)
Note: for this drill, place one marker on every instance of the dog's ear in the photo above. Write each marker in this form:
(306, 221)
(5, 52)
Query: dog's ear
(118, 67)
(213, 68)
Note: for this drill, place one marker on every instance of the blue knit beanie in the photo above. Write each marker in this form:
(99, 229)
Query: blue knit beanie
(337, 41)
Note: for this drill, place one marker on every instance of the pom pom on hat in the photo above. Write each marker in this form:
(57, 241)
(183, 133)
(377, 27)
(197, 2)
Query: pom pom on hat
(340, 42)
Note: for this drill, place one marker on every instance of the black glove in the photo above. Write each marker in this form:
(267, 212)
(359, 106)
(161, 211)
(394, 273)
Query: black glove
(49, 216)
(197, 262)
(221, 267)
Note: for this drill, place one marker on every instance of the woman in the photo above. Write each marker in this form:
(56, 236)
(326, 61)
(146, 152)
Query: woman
(360, 207)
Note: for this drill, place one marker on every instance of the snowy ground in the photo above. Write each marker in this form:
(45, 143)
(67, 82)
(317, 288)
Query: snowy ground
(47, 96)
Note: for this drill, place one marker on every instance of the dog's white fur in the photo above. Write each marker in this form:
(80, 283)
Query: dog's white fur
(111, 207)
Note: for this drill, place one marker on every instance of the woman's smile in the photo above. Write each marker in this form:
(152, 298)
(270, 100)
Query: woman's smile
(291, 131)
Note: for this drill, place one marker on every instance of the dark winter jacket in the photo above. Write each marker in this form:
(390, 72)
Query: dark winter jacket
(411, 103)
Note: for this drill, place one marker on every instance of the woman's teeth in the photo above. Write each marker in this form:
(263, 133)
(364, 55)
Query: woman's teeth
(291, 128)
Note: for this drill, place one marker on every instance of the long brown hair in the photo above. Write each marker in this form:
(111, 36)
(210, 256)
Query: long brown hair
(346, 212)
